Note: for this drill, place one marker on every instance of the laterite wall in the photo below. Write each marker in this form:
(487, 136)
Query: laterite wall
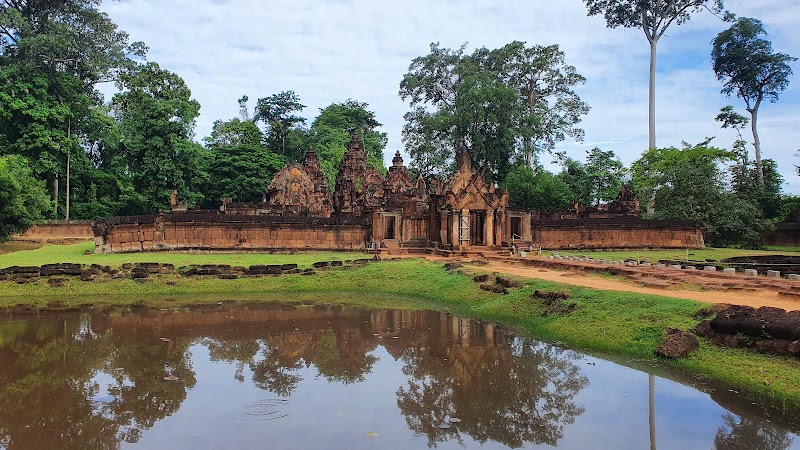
(227, 233)
(615, 233)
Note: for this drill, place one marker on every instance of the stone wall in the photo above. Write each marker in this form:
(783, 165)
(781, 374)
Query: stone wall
(615, 233)
(58, 232)
(217, 232)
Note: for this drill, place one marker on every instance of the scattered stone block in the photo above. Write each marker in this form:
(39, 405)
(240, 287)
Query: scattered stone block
(139, 273)
(793, 277)
(481, 278)
(709, 269)
(729, 270)
(321, 264)
(678, 344)
(227, 276)
(675, 266)
(508, 282)
(690, 268)
(773, 274)
(750, 272)
(645, 264)
(452, 266)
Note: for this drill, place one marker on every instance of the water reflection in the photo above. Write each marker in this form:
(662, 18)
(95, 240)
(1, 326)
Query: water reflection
(107, 379)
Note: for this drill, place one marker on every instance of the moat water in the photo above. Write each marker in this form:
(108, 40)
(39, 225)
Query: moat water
(316, 377)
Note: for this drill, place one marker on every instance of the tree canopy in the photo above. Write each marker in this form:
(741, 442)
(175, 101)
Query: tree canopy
(509, 103)
(654, 18)
(747, 66)
(23, 199)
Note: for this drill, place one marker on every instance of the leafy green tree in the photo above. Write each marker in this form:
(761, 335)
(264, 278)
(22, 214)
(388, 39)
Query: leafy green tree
(729, 118)
(239, 166)
(747, 66)
(157, 117)
(331, 132)
(687, 184)
(515, 101)
(23, 199)
(654, 18)
(744, 183)
(52, 56)
(604, 171)
(576, 177)
(538, 190)
(276, 111)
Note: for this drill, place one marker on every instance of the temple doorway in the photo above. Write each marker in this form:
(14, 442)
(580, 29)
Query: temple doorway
(478, 235)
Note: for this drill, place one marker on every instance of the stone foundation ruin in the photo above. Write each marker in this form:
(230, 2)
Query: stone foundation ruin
(393, 213)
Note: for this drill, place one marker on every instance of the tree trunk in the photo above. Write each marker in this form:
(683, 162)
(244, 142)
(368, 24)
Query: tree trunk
(69, 154)
(651, 388)
(55, 196)
(652, 98)
(67, 209)
(757, 141)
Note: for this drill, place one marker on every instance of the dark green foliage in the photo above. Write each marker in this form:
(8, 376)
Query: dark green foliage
(538, 190)
(687, 184)
(156, 118)
(331, 132)
(512, 102)
(604, 172)
(767, 197)
(576, 178)
(239, 166)
(23, 199)
(276, 111)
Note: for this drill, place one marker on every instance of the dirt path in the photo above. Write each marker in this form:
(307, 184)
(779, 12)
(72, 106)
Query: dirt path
(755, 299)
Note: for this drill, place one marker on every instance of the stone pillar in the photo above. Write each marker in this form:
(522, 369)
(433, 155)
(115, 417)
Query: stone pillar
(502, 231)
(489, 228)
(377, 227)
(465, 224)
(455, 240)
(526, 227)
(443, 229)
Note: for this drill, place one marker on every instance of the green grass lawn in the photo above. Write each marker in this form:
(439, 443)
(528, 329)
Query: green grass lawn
(74, 253)
(612, 324)
(706, 254)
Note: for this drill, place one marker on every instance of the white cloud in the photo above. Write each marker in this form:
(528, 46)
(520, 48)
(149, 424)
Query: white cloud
(329, 51)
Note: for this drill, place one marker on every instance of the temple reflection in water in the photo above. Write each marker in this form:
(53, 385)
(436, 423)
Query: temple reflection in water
(97, 380)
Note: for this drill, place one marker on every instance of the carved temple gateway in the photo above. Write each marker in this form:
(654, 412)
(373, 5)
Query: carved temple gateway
(393, 212)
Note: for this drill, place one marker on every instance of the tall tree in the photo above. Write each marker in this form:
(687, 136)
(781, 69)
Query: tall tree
(576, 177)
(157, 118)
(515, 101)
(653, 17)
(276, 111)
(746, 65)
(331, 132)
(604, 171)
(538, 190)
(239, 166)
(23, 199)
(52, 56)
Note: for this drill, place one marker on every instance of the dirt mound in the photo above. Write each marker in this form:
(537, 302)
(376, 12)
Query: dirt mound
(678, 344)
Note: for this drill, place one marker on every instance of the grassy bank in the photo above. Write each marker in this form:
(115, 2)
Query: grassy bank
(705, 254)
(606, 323)
(76, 253)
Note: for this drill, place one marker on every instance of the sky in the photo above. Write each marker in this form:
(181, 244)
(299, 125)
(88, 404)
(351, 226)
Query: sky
(333, 50)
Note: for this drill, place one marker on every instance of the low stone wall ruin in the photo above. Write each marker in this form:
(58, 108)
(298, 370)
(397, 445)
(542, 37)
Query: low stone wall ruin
(217, 232)
(58, 232)
(615, 233)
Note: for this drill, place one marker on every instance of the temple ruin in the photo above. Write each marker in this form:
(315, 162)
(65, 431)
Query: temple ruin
(368, 211)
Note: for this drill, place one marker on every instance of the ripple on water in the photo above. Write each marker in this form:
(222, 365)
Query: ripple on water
(262, 411)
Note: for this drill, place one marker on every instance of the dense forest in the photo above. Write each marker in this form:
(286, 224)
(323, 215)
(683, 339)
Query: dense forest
(68, 153)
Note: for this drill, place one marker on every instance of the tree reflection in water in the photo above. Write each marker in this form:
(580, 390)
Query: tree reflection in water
(746, 434)
(79, 381)
(513, 391)
(48, 395)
